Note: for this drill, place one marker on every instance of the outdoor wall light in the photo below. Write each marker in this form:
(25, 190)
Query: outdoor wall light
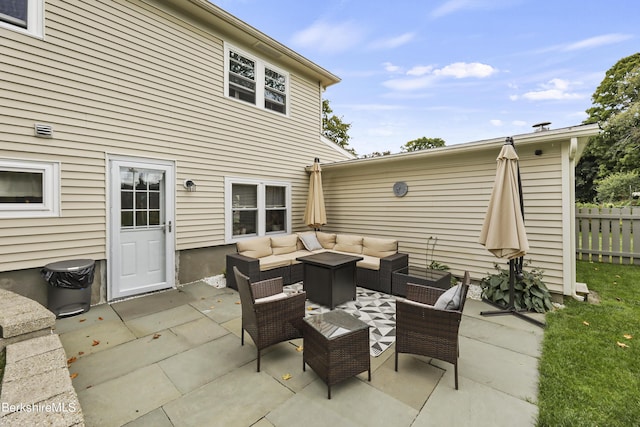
(189, 184)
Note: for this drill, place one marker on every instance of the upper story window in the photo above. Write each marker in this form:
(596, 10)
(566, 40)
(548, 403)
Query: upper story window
(254, 81)
(256, 208)
(25, 16)
(29, 189)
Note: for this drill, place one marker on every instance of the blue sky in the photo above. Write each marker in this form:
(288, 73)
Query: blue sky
(460, 70)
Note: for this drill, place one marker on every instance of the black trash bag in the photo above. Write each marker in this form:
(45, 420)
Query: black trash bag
(68, 276)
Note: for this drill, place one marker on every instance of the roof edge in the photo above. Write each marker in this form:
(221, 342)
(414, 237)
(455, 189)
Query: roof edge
(578, 131)
(325, 77)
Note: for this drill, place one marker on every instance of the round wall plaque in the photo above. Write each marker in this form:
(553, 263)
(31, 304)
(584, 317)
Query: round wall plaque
(400, 188)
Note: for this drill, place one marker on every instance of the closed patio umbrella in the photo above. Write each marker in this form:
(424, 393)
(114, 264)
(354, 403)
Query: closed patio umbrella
(315, 215)
(503, 232)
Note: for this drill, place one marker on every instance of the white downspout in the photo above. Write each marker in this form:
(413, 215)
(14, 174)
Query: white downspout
(569, 218)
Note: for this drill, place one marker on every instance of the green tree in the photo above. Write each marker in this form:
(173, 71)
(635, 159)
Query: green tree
(375, 154)
(618, 187)
(616, 108)
(423, 143)
(334, 128)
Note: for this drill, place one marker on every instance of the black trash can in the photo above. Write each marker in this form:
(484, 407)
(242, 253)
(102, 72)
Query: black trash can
(69, 290)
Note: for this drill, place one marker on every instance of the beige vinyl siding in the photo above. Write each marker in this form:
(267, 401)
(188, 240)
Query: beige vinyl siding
(448, 196)
(128, 78)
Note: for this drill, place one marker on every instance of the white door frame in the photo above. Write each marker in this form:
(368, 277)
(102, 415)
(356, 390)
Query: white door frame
(114, 162)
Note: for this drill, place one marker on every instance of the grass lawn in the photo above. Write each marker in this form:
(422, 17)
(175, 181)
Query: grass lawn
(590, 363)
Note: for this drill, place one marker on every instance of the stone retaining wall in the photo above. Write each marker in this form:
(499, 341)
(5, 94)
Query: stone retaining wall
(36, 388)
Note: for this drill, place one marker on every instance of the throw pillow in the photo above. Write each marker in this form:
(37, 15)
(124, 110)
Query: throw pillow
(450, 300)
(310, 242)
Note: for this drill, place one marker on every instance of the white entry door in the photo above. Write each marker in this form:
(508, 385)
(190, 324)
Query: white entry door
(142, 240)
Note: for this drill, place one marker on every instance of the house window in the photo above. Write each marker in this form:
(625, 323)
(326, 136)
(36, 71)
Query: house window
(29, 189)
(256, 208)
(25, 16)
(243, 77)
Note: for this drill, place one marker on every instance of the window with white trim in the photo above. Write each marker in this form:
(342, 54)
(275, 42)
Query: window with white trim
(251, 80)
(25, 16)
(29, 189)
(256, 208)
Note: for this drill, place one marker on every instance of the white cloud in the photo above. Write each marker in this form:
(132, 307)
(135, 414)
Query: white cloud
(420, 70)
(555, 89)
(393, 42)
(461, 70)
(496, 122)
(598, 41)
(409, 84)
(329, 36)
(452, 6)
(519, 123)
(425, 75)
(389, 67)
(373, 107)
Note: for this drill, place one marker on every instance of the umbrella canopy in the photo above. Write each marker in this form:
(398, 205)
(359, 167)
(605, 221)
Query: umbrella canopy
(315, 215)
(503, 232)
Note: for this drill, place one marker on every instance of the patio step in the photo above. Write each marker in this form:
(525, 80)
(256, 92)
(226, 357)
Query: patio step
(22, 318)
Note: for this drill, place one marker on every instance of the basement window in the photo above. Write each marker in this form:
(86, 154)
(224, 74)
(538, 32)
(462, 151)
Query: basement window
(29, 189)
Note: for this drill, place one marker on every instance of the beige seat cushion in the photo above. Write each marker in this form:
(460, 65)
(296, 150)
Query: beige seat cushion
(327, 240)
(369, 262)
(348, 243)
(274, 261)
(302, 253)
(255, 248)
(379, 247)
(284, 244)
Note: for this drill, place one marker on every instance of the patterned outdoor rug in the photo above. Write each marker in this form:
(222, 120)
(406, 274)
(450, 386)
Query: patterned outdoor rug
(376, 309)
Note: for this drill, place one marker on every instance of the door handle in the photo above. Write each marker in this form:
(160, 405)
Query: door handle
(167, 226)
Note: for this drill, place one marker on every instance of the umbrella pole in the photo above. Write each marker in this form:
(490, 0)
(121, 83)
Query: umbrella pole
(511, 308)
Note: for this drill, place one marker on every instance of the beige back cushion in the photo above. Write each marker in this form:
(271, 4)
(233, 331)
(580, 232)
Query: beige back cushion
(379, 247)
(348, 243)
(255, 248)
(284, 244)
(327, 240)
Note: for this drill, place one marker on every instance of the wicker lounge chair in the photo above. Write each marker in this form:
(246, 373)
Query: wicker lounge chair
(268, 315)
(428, 331)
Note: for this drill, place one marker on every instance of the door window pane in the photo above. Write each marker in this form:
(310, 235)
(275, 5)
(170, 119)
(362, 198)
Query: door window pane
(141, 198)
(126, 218)
(126, 199)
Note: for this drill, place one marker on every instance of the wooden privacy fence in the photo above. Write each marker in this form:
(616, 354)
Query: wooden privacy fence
(608, 234)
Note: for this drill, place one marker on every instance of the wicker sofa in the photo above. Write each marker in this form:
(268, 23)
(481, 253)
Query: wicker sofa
(264, 258)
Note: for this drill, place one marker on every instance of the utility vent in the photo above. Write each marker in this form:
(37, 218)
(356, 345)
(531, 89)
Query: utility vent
(44, 131)
(539, 127)
(267, 50)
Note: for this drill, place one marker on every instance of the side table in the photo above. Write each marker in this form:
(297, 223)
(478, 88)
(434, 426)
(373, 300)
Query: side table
(419, 276)
(336, 346)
